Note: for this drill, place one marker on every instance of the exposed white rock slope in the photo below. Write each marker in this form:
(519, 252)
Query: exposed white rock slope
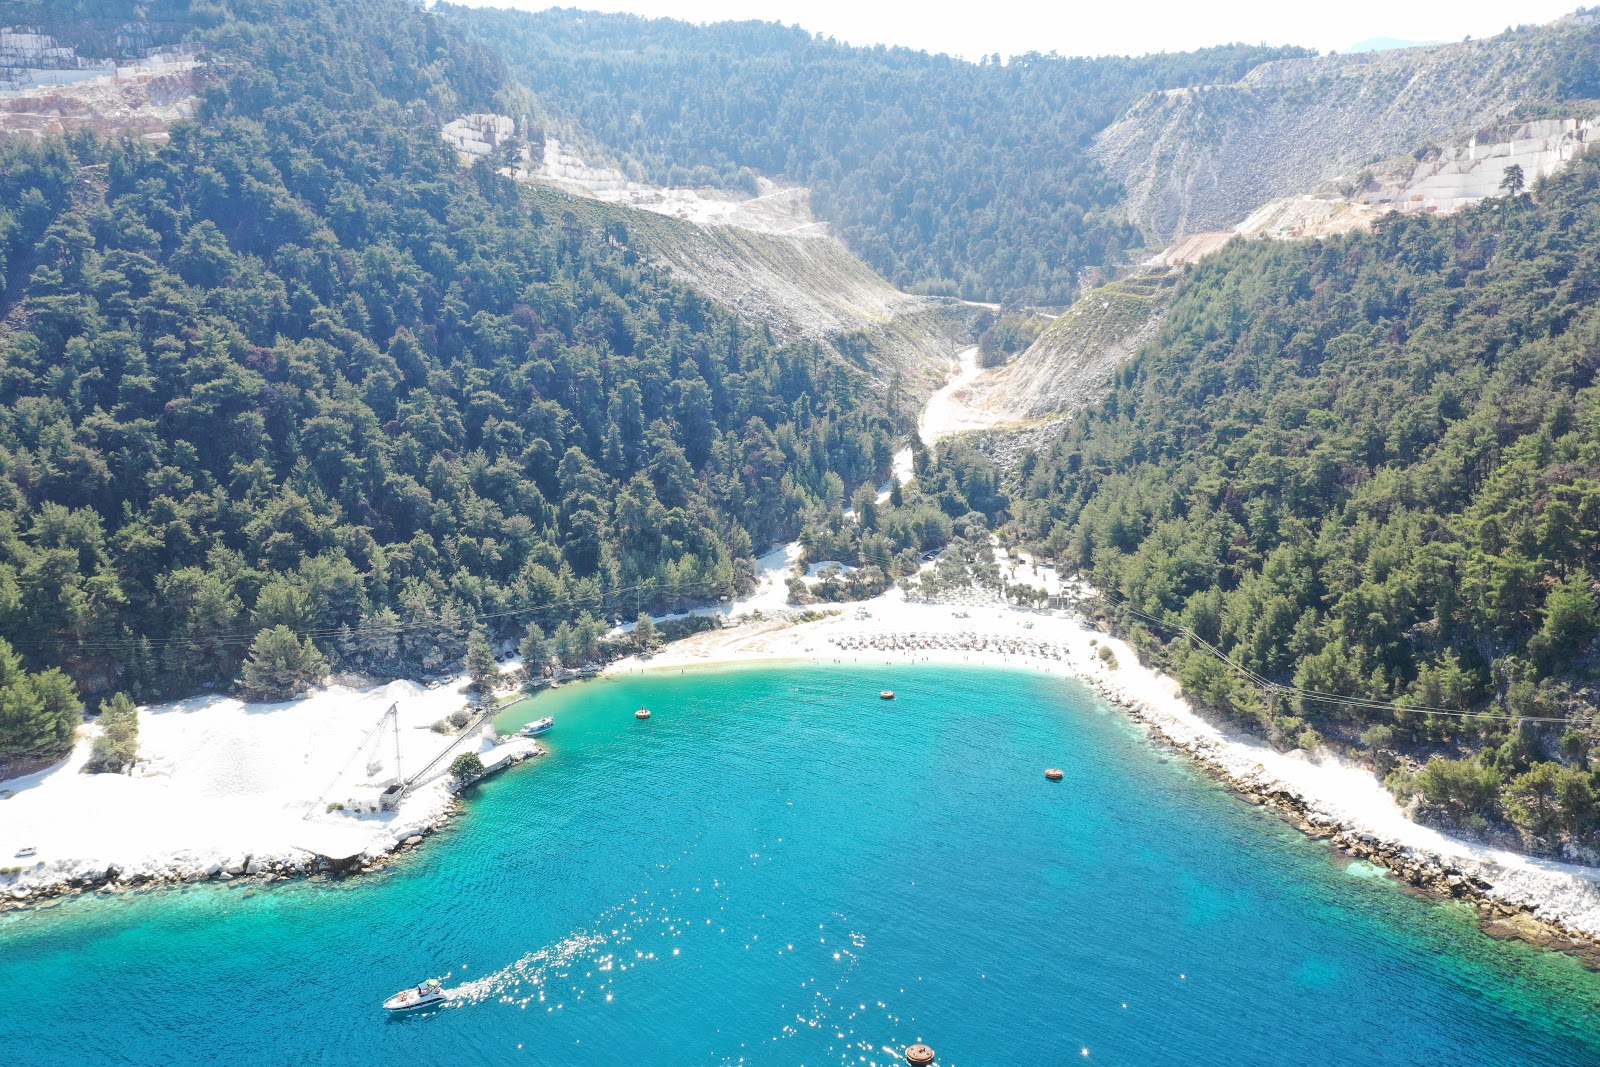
(1203, 159)
(1070, 363)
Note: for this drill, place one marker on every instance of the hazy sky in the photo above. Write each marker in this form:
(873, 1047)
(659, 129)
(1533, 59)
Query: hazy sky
(981, 27)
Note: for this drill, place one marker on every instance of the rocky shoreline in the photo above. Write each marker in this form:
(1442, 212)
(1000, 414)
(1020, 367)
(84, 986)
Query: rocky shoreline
(1424, 872)
(111, 879)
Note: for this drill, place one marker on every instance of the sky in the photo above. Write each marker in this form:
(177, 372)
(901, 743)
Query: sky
(1072, 27)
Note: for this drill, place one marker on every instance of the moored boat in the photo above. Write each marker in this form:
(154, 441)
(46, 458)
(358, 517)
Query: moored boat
(419, 996)
(538, 726)
(642, 713)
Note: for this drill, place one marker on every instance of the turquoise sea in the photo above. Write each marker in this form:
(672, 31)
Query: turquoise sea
(780, 868)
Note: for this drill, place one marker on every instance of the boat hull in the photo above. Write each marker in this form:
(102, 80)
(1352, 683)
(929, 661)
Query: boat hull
(410, 1001)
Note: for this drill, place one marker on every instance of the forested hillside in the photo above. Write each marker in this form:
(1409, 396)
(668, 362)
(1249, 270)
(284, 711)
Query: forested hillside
(300, 369)
(949, 177)
(1370, 466)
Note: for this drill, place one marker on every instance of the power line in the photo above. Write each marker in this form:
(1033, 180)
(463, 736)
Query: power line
(403, 626)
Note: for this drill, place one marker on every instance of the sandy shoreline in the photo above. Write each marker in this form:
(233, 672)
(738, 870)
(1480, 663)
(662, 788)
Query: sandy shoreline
(1326, 796)
(251, 825)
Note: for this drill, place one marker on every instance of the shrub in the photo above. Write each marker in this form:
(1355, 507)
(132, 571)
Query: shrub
(1108, 657)
(1549, 797)
(460, 717)
(118, 744)
(466, 767)
(1463, 787)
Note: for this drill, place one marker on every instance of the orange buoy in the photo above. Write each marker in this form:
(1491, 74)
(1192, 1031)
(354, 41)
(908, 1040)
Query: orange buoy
(888, 694)
(642, 713)
(1054, 774)
(919, 1055)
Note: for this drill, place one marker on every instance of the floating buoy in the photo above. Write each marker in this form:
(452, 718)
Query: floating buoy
(919, 1055)
(642, 713)
(1054, 774)
(888, 694)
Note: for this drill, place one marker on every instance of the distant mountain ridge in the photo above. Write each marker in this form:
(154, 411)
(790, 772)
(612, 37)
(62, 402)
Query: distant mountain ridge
(1204, 158)
(1385, 44)
(947, 177)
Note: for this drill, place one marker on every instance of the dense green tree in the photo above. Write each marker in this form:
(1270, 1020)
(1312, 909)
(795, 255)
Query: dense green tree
(1464, 787)
(39, 712)
(466, 768)
(1549, 797)
(482, 667)
(1571, 619)
(280, 665)
(645, 638)
(535, 651)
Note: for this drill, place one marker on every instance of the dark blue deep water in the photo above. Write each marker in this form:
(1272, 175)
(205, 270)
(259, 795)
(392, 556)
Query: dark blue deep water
(779, 868)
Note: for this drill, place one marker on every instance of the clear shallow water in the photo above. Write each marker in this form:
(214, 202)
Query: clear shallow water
(779, 868)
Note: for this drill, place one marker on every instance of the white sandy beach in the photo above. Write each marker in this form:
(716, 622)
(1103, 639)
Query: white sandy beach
(888, 629)
(231, 781)
(222, 782)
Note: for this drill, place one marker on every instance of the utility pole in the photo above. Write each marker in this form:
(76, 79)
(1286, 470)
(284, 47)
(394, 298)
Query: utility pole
(393, 715)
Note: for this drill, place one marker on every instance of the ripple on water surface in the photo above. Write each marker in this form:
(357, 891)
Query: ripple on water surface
(778, 867)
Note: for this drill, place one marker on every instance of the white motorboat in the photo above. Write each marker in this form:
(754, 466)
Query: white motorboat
(538, 726)
(419, 996)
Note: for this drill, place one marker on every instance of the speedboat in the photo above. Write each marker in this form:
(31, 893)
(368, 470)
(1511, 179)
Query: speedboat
(419, 996)
(538, 726)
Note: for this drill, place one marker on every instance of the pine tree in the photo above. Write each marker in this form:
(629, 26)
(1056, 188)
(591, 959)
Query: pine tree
(645, 638)
(1512, 180)
(482, 667)
(535, 650)
(280, 666)
(1571, 618)
(39, 713)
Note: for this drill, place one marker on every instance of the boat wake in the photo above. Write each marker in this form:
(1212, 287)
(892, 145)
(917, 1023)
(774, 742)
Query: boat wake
(525, 979)
(585, 963)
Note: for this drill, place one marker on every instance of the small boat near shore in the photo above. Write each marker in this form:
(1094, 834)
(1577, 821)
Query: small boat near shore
(538, 726)
(420, 996)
